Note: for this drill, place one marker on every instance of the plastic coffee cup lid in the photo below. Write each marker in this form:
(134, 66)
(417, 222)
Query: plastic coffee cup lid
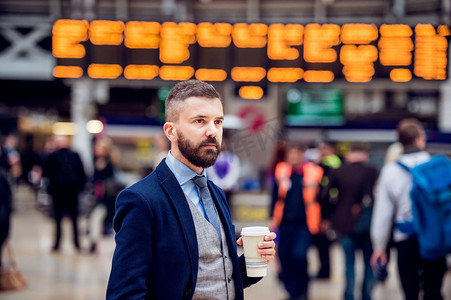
(254, 231)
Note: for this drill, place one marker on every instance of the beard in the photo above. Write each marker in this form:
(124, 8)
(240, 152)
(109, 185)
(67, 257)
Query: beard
(197, 155)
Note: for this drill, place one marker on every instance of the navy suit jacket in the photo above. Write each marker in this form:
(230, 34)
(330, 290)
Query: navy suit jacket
(156, 255)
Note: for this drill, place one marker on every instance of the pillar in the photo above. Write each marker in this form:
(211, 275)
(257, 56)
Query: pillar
(444, 121)
(82, 99)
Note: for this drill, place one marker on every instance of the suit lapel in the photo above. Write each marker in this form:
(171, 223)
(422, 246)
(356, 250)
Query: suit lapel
(178, 201)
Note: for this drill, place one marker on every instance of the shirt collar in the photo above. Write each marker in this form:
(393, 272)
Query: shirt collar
(181, 171)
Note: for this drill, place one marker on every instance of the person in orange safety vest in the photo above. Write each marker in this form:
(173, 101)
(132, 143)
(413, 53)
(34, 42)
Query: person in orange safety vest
(297, 215)
(312, 175)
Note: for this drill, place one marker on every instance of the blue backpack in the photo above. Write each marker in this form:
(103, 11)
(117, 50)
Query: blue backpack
(431, 206)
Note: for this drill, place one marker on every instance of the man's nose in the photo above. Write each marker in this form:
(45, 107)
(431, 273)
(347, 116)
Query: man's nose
(211, 129)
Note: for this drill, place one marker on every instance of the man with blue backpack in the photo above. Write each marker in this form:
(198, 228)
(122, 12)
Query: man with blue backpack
(404, 206)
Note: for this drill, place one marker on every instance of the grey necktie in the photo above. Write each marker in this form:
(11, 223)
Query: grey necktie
(207, 201)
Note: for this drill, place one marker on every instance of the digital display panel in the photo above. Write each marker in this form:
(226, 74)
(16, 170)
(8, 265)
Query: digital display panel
(249, 53)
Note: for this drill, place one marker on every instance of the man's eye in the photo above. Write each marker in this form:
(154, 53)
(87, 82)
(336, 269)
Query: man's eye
(199, 121)
(219, 122)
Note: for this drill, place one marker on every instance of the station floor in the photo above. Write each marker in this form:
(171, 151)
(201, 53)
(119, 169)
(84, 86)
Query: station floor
(71, 275)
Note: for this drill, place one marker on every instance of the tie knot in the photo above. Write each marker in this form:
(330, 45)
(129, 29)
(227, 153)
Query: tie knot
(201, 181)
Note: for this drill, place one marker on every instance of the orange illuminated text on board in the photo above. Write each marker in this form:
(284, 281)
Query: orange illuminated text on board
(293, 52)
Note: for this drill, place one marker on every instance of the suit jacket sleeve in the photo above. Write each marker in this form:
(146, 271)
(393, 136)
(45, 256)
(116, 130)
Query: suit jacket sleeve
(132, 258)
(247, 281)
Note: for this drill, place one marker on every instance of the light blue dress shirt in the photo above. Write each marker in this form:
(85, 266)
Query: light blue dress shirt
(184, 174)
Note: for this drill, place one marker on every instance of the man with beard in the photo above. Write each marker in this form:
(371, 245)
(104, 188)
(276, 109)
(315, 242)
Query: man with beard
(174, 233)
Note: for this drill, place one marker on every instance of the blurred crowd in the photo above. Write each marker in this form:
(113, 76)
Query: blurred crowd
(320, 196)
(340, 197)
(60, 185)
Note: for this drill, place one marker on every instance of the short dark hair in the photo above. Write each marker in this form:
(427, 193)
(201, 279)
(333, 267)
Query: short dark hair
(296, 146)
(359, 146)
(184, 90)
(408, 131)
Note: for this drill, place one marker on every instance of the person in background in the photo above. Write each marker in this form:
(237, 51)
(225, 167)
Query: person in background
(44, 201)
(174, 233)
(31, 165)
(106, 188)
(226, 171)
(49, 148)
(66, 178)
(12, 158)
(393, 211)
(328, 161)
(5, 209)
(296, 214)
(278, 156)
(393, 152)
(353, 184)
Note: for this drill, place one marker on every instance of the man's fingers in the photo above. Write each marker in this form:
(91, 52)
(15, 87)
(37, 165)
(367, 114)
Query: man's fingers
(271, 236)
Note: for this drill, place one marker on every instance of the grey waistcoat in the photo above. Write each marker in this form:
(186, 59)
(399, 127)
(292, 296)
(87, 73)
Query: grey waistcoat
(215, 272)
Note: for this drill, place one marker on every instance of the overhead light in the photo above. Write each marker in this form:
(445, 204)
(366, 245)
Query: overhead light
(64, 128)
(94, 126)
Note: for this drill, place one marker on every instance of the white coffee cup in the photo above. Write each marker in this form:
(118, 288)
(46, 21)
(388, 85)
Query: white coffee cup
(256, 266)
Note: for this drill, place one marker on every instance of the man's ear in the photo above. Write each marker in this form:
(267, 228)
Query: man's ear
(420, 142)
(170, 131)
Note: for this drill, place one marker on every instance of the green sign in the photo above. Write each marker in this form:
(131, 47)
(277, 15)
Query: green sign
(314, 107)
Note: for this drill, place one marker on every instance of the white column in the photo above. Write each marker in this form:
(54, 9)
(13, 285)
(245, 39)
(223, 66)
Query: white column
(81, 101)
(320, 11)
(253, 11)
(122, 10)
(444, 111)
(444, 120)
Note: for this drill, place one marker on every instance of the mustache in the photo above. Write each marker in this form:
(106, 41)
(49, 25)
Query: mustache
(210, 140)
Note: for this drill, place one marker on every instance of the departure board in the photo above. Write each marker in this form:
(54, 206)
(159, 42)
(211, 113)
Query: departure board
(249, 53)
